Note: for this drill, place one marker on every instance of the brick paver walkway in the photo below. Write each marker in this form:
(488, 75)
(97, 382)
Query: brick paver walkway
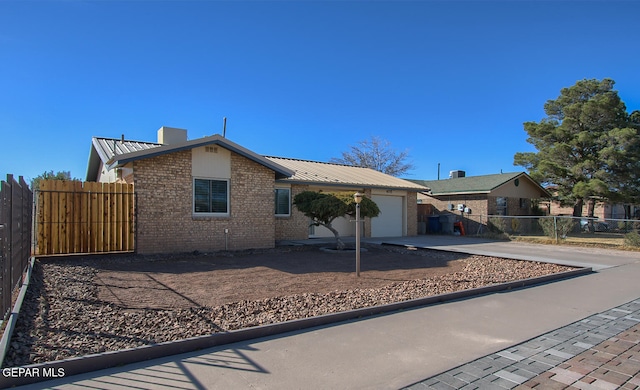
(598, 352)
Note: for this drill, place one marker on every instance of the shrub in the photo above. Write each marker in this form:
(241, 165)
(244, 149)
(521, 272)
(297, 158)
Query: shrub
(497, 225)
(547, 227)
(632, 239)
(515, 225)
(564, 226)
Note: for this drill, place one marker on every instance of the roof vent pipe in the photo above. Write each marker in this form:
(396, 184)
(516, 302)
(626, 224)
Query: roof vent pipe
(224, 127)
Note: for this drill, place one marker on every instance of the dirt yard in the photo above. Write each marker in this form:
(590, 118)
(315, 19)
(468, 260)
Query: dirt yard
(83, 305)
(186, 281)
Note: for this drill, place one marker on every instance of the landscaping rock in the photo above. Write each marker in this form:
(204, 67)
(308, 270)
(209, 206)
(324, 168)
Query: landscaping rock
(63, 317)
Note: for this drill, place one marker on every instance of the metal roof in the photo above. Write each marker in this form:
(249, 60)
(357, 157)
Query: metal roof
(114, 152)
(104, 149)
(313, 172)
(483, 184)
(109, 151)
(107, 148)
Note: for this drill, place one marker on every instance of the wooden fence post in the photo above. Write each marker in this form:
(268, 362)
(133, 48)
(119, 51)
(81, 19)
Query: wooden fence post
(16, 205)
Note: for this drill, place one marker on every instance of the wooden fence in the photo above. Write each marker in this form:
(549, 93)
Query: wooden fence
(16, 207)
(77, 217)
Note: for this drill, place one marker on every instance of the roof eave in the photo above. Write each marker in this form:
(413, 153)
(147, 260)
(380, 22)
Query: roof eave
(353, 185)
(123, 159)
(481, 192)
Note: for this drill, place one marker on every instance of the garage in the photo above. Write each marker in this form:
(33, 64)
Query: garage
(390, 221)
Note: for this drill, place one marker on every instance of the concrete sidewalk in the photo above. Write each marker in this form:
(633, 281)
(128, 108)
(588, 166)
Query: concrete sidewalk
(400, 349)
(599, 352)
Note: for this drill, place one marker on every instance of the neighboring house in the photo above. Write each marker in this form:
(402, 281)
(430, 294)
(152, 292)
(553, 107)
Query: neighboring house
(474, 196)
(603, 210)
(211, 194)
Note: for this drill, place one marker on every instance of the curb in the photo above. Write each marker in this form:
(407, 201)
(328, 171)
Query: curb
(88, 363)
(13, 317)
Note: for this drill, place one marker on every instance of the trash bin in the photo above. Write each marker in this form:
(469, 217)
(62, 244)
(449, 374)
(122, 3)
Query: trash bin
(446, 223)
(434, 224)
(458, 228)
(422, 228)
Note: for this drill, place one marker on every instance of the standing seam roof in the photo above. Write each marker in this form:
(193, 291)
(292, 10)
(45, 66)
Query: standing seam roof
(107, 148)
(337, 174)
(108, 151)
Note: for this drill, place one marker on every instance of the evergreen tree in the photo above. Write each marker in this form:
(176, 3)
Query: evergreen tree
(587, 146)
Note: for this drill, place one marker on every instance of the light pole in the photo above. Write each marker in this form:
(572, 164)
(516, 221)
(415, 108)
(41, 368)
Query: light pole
(358, 198)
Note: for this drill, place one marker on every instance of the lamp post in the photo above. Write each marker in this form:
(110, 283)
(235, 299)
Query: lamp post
(358, 198)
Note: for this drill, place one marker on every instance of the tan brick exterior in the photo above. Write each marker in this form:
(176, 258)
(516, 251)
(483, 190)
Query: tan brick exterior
(295, 226)
(412, 213)
(366, 231)
(477, 203)
(165, 221)
(480, 205)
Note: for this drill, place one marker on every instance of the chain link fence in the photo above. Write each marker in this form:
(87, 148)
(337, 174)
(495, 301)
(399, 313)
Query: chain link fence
(557, 228)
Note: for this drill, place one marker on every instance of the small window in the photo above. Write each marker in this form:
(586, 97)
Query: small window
(501, 206)
(523, 203)
(211, 196)
(283, 201)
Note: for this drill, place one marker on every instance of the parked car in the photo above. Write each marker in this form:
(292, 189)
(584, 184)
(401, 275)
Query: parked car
(592, 224)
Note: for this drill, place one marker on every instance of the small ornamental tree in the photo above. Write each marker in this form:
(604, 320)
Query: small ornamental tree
(61, 175)
(324, 208)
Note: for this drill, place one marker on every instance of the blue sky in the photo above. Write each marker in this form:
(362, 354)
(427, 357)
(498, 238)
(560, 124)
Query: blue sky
(451, 82)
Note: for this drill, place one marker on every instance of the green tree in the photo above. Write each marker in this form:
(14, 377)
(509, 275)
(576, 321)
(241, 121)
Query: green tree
(583, 145)
(61, 175)
(622, 155)
(376, 154)
(324, 208)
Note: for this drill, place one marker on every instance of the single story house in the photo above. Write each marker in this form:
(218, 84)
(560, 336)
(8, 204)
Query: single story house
(396, 198)
(469, 197)
(211, 194)
(604, 210)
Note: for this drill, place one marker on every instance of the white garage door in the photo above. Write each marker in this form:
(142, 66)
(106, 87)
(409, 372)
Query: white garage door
(389, 221)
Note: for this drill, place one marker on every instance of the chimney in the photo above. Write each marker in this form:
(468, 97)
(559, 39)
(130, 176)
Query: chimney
(171, 135)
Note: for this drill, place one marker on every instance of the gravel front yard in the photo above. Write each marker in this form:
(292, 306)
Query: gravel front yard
(84, 305)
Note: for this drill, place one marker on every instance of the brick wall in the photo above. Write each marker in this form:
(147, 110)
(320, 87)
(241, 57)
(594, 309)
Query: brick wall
(165, 221)
(412, 213)
(366, 226)
(295, 226)
(252, 205)
(477, 203)
(514, 206)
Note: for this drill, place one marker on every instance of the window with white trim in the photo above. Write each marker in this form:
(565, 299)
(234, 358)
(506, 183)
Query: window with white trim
(211, 196)
(283, 201)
